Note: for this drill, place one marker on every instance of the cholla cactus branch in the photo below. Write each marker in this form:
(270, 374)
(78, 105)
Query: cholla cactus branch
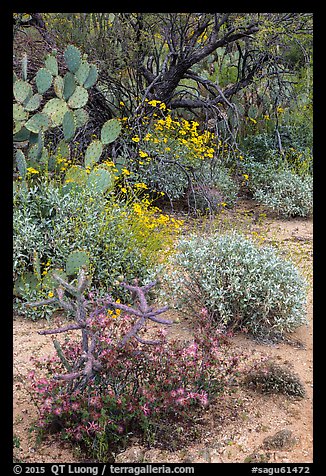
(82, 281)
(133, 332)
(67, 377)
(45, 302)
(71, 289)
(63, 302)
(160, 321)
(144, 312)
(71, 327)
(148, 342)
(92, 365)
(87, 365)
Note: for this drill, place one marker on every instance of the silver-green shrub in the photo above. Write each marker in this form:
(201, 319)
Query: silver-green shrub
(287, 193)
(50, 222)
(169, 178)
(215, 187)
(239, 284)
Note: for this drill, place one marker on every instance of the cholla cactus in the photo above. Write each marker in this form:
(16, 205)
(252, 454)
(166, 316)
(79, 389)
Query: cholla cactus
(87, 365)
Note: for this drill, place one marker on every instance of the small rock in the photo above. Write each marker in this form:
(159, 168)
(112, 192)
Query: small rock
(283, 439)
(257, 457)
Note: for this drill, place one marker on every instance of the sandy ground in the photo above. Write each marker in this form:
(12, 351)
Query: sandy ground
(232, 438)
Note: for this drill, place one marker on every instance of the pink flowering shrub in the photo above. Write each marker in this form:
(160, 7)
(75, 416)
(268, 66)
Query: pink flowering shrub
(137, 384)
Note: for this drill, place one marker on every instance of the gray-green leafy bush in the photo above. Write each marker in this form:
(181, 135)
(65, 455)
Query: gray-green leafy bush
(287, 193)
(57, 229)
(260, 174)
(207, 185)
(169, 178)
(215, 188)
(240, 285)
(261, 147)
(272, 378)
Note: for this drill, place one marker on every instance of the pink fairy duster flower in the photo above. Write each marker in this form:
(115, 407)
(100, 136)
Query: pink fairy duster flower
(92, 427)
(75, 406)
(145, 409)
(203, 398)
(181, 401)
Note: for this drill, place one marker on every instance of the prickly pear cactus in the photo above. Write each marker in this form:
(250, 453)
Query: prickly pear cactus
(19, 113)
(38, 122)
(92, 77)
(75, 261)
(21, 163)
(43, 80)
(33, 103)
(101, 180)
(69, 85)
(76, 174)
(21, 134)
(27, 281)
(82, 72)
(69, 125)
(69, 91)
(22, 91)
(56, 109)
(73, 58)
(93, 153)
(81, 116)
(58, 86)
(51, 64)
(33, 117)
(78, 98)
(110, 131)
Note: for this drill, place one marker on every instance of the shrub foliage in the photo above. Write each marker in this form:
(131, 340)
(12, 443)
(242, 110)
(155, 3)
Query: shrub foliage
(241, 285)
